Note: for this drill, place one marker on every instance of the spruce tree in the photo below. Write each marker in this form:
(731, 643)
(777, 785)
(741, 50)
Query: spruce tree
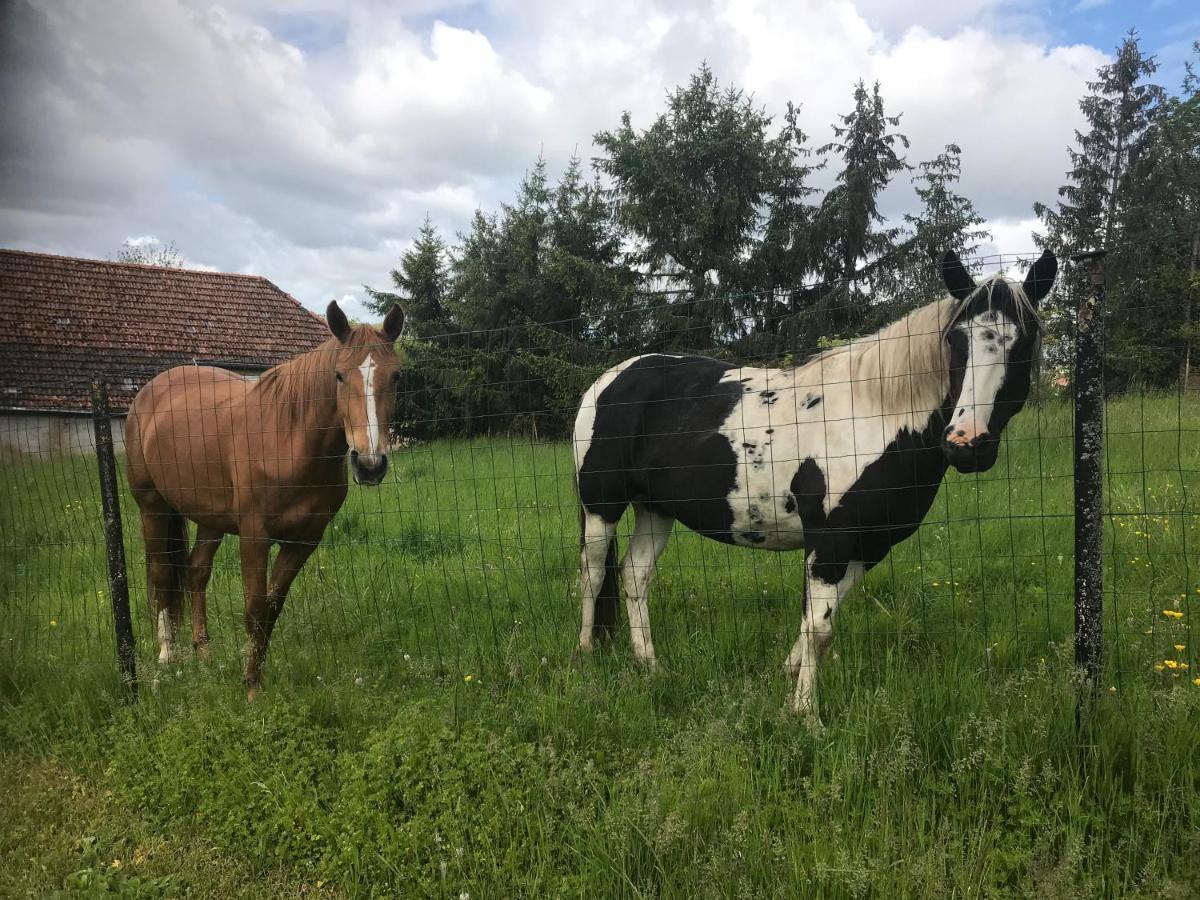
(850, 221)
(947, 221)
(421, 284)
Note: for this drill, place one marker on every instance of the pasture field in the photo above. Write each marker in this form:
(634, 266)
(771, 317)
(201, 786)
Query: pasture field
(427, 730)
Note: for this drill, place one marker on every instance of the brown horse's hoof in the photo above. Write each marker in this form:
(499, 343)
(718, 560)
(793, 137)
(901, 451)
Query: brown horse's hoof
(251, 693)
(203, 652)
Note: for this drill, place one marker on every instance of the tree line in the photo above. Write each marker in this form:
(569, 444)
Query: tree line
(704, 232)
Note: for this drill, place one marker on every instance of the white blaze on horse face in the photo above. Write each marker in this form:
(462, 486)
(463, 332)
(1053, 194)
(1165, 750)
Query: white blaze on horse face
(990, 337)
(367, 369)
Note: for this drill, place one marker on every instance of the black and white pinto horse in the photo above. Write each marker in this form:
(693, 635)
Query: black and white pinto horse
(841, 456)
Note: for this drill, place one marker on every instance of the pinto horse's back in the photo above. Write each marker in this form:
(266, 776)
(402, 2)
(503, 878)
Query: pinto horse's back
(648, 432)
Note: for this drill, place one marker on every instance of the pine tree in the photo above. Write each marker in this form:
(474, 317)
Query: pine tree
(849, 219)
(947, 221)
(1153, 268)
(421, 284)
(786, 254)
(1118, 109)
(1100, 196)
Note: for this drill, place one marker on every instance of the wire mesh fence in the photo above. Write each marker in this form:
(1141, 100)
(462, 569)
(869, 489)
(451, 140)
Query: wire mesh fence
(464, 561)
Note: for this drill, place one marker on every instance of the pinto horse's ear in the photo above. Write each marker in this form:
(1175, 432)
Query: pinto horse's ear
(1041, 277)
(393, 323)
(339, 327)
(958, 280)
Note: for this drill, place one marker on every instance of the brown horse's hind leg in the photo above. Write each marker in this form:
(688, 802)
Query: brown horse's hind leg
(165, 535)
(262, 614)
(208, 542)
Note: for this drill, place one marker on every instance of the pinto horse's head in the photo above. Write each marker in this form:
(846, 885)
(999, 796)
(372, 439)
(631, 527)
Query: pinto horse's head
(992, 338)
(366, 369)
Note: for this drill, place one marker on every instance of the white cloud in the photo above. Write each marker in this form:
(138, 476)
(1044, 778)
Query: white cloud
(315, 165)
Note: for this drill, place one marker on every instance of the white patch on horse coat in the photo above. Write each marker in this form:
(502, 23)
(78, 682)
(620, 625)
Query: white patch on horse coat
(990, 338)
(367, 369)
(841, 409)
(164, 636)
(585, 419)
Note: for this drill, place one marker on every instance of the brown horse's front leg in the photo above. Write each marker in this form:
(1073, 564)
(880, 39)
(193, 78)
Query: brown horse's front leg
(254, 550)
(291, 559)
(208, 542)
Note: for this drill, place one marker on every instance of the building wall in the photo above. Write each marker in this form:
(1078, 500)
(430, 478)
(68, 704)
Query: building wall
(49, 434)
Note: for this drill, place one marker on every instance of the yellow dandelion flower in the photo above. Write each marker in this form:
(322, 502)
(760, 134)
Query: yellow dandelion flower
(54, 623)
(1113, 689)
(1196, 682)
(468, 678)
(1148, 631)
(1170, 664)
(115, 864)
(1183, 665)
(1180, 647)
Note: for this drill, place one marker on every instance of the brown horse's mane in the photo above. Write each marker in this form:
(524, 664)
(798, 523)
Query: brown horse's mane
(300, 386)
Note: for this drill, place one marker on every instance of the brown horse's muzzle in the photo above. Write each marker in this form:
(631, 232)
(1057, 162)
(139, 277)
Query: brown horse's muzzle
(368, 468)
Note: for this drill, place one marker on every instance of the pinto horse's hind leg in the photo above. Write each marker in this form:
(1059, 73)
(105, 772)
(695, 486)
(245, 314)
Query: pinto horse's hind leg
(651, 532)
(597, 574)
(821, 601)
(208, 542)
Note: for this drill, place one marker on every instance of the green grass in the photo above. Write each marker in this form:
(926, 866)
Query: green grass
(426, 729)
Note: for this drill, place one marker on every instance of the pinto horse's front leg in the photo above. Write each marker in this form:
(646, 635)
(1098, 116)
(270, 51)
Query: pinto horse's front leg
(821, 601)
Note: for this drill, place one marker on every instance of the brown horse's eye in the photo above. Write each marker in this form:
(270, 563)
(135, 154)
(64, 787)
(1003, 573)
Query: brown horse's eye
(395, 377)
(338, 376)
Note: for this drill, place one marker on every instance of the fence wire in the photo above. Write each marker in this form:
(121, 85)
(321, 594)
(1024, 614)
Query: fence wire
(464, 562)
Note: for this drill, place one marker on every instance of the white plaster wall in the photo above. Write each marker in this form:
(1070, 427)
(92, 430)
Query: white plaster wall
(47, 434)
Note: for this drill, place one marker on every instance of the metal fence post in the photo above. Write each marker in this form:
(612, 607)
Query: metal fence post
(114, 542)
(1089, 486)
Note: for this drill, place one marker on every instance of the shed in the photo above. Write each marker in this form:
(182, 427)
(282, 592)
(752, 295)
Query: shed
(65, 321)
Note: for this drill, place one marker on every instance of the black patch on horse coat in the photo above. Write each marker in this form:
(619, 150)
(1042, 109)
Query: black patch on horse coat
(656, 441)
(884, 506)
(808, 496)
(811, 400)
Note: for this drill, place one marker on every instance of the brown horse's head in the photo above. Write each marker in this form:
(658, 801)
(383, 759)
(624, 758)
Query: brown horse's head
(366, 370)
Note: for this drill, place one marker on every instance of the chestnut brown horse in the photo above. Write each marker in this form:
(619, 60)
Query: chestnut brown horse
(265, 460)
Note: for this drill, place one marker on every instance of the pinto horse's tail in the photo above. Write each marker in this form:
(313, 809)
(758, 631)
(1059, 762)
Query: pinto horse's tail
(608, 599)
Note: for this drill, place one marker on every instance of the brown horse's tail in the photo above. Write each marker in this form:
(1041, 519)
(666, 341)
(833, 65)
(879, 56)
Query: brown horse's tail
(175, 558)
(608, 600)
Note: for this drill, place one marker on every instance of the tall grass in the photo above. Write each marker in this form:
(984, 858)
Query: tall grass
(428, 730)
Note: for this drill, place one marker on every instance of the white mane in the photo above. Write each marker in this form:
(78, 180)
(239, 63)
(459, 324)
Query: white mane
(902, 371)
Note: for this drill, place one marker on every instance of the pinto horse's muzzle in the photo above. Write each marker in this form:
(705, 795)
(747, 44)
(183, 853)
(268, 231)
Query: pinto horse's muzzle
(978, 455)
(368, 468)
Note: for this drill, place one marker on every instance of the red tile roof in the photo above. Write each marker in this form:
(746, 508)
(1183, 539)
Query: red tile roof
(64, 321)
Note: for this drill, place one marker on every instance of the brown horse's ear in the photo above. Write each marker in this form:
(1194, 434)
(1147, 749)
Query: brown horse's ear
(393, 324)
(1041, 277)
(339, 327)
(958, 280)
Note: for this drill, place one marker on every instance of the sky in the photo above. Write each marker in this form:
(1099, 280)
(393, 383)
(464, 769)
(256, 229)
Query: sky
(306, 141)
